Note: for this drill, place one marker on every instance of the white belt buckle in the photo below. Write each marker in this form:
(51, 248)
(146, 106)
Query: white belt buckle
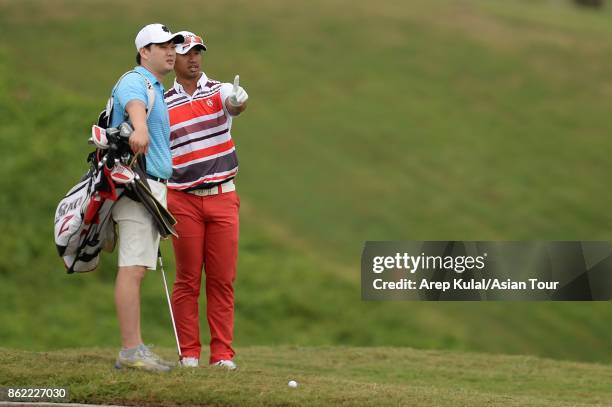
(225, 187)
(204, 192)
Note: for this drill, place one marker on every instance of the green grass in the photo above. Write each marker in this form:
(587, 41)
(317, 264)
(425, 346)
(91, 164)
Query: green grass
(347, 376)
(467, 120)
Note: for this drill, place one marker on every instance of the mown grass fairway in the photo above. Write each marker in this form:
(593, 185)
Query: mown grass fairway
(386, 120)
(338, 376)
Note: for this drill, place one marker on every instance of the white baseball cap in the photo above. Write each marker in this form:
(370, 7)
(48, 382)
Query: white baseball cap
(191, 40)
(156, 34)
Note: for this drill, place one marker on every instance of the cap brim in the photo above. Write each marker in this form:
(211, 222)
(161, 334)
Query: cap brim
(183, 52)
(178, 39)
(175, 38)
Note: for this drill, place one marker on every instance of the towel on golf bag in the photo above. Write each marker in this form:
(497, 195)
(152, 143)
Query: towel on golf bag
(140, 191)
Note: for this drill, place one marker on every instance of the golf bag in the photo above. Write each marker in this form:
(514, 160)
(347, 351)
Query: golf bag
(83, 224)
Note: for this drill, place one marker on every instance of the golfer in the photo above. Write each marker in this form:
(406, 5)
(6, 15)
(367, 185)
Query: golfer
(138, 236)
(202, 197)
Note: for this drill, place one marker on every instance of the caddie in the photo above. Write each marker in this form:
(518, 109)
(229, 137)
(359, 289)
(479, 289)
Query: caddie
(138, 236)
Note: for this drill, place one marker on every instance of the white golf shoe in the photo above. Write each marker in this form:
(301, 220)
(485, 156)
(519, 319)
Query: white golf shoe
(190, 362)
(227, 364)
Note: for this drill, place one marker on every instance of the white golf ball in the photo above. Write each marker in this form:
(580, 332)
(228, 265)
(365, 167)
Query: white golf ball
(292, 383)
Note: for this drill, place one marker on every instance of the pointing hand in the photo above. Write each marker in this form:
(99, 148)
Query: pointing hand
(239, 95)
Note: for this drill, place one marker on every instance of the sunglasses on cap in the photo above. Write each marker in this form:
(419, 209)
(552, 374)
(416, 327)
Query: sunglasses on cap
(192, 41)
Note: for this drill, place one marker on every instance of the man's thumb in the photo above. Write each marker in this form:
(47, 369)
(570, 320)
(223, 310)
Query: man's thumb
(236, 84)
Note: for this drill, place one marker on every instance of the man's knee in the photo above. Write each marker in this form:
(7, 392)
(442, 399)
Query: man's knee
(134, 273)
(224, 280)
(186, 288)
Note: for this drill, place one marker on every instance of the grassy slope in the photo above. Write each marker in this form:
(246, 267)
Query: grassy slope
(441, 120)
(326, 376)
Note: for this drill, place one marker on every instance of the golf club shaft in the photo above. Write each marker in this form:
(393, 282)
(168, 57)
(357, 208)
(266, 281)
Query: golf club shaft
(161, 266)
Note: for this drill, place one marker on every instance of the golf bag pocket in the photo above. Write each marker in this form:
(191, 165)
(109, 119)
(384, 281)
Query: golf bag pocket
(69, 217)
(79, 242)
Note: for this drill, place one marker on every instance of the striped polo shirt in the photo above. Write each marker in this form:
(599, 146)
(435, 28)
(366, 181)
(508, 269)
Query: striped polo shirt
(203, 152)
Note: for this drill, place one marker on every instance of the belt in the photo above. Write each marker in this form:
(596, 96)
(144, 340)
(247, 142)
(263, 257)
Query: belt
(219, 189)
(162, 180)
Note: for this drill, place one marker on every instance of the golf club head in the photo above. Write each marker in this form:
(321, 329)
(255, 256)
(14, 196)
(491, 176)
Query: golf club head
(125, 130)
(98, 137)
(112, 133)
(122, 174)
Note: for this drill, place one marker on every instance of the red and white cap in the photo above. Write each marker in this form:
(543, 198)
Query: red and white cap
(156, 34)
(191, 40)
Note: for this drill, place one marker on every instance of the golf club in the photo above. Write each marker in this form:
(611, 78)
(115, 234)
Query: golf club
(161, 266)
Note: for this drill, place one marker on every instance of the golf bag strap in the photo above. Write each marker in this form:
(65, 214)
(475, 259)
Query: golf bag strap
(150, 92)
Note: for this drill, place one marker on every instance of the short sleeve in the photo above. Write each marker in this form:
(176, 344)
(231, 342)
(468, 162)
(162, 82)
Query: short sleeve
(225, 91)
(131, 87)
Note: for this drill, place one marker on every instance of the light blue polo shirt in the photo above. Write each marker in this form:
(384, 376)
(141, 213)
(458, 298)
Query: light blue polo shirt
(133, 86)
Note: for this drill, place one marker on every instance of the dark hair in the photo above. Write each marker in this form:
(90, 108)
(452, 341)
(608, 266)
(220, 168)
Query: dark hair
(138, 54)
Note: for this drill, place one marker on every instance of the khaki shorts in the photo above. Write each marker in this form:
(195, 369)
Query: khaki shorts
(138, 235)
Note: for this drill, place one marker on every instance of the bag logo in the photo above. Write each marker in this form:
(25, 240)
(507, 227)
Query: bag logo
(64, 227)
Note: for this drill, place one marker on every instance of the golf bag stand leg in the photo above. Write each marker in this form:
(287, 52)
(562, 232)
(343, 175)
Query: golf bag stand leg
(161, 266)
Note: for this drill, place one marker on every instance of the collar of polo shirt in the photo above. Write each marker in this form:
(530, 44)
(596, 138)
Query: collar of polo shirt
(201, 83)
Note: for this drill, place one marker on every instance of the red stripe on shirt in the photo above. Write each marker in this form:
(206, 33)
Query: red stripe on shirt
(196, 108)
(194, 155)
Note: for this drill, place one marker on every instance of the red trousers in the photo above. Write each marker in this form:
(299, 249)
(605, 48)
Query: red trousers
(208, 238)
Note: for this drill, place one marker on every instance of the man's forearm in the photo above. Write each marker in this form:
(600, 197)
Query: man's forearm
(139, 140)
